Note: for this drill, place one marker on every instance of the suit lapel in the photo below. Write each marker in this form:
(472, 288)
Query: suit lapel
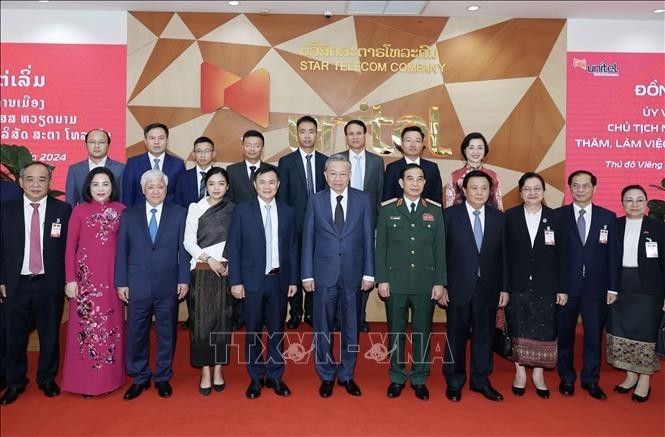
(300, 169)
(570, 216)
(256, 208)
(327, 209)
(143, 222)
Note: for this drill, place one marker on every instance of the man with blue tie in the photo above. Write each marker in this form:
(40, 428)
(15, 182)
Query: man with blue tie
(337, 264)
(152, 274)
(593, 266)
(263, 272)
(156, 139)
(301, 175)
(97, 143)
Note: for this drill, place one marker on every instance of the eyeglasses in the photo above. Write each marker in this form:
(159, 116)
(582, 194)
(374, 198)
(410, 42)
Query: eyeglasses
(532, 189)
(97, 143)
(634, 201)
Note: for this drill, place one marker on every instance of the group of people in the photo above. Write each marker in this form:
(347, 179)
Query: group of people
(316, 234)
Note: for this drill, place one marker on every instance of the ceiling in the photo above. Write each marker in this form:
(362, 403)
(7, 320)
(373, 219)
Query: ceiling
(617, 10)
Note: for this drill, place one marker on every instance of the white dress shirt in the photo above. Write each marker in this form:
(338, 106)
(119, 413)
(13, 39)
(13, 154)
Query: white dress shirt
(333, 201)
(27, 217)
(161, 157)
(158, 214)
(408, 203)
(472, 218)
(256, 167)
(274, 226)
(587, 218)
(303, 156)
(199, 178)
(532, 223)
(409, 161)
(631, 242)
(194, 213)
(101, 163)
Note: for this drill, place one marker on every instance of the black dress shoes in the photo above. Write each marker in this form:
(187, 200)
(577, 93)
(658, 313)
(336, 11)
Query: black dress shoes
(293, 323)
(489, 393)
(421, 391)
(519, 391)
(395, 389)
(595, 391)
(364, 327)
(623, 390)
(351, 387)
(11, 394)
(454, 394)
(164, 389)
(254, 389)
(50, 389)
(279, 387)
(640, 399)
(567, 388)
(205, 391)
(326, 388)
(135, 390)
(309, 321)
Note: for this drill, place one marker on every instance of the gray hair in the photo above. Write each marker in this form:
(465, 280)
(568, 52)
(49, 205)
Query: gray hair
(153, 175)
(338, 157)
(49, 168)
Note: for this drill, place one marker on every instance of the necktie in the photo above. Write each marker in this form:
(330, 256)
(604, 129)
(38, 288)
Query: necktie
(357, 181)
(156, 165)
(202, 187)
(581, 225)
(310, 180)
(152, 226)
(477, 230)
(35, 259)
(252, 173)
(413, 209)
(268, 230)
(339, 214)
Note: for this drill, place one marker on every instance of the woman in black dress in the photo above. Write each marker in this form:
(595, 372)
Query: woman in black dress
(634, 318)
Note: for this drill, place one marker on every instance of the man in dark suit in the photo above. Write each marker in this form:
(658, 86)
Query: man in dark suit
(33, 235)
(413, 144)
(263, 272)
(301, 175)
(337, 262)
(367, 175)
(411, 272)
(156, 138)
(151, 274)
(593, 265)
(97, 142)
(475, 279)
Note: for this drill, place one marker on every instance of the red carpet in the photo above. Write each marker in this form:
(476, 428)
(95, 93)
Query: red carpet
(305, 413)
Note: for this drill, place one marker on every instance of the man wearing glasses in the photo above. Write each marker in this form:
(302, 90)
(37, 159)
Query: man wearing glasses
(97, 143)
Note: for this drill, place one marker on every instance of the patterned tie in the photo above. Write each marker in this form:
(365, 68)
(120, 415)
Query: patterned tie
(156, 166)
(339, 214)
(477, 230)
(35, 259)
(310, 180)
(252, 173)
(581, 226)
(268, 230)
(202, 187)
(152, 226)
(357, 181)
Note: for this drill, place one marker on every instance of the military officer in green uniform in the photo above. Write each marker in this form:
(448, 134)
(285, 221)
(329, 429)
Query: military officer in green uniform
(411, 272)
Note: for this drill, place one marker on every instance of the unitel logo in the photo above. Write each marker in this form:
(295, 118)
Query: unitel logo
(601, 69)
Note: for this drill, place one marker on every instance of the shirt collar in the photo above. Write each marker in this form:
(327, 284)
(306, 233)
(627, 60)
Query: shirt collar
(149, 207)
(470, 209)
(102, 163)
(360, 155)
(199, 169)
(152, 158)
(249, 164)
(333, 194)
(409, 161)
(305, 155)
(577, 209)
(409, 202)
(41, 202)
(263, 204)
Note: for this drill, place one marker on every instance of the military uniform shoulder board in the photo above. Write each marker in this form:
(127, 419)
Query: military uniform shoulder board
(389, 201)
(434, 203)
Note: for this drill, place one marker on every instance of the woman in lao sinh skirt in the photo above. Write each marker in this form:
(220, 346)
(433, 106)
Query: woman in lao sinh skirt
(635, 316)
(206, 233)
(535, 279)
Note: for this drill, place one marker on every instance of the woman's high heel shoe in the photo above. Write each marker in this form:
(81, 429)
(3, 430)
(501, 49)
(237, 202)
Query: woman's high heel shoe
(638, 398)
(519, 391)
(623, 390)
(204, 391)
(543, 393)
(218, 387)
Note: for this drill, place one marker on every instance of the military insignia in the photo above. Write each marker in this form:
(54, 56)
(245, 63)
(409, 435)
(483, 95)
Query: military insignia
(434, 203)
(395, 217)
(389, 201)
(427, 217)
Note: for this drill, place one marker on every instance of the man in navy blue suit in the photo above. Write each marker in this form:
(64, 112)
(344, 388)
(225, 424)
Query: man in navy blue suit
(413, 144)
(301, 175)
(263, 272)
(593, 266)
(156, 138)
(151, 274)
(337, 265)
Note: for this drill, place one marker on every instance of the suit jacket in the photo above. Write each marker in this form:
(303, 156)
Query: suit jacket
(328, 255)
(186, 188)
(373, 180)
(410, 250)
(134, 169)
(152, 270)
(241, 189)
(652, 270)
(464, 259)
(76, 178)
(546, 264)
(600, 263)
(12, 238)
(433, 188)
(247, 246)
(293, 183)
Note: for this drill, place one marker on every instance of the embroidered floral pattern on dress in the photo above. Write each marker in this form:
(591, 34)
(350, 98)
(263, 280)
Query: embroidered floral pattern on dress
(632, 355)
(106, 221)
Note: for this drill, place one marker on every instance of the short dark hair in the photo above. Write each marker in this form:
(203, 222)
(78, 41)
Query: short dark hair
(204, 140)
(412, 129)
(152, 126)
(216, 170)
(529, 175)
(409, 167)
(87, 195)
(634, 187)
(594, 180)
(253, 133)
(265, 168)
(473, 136)
(108, 135)
(477, 174)
(305, 118)
(358, 122)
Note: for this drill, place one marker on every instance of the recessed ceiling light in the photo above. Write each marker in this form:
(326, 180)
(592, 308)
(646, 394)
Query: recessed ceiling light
(658, 11)
(234, 3)
(473, 8)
